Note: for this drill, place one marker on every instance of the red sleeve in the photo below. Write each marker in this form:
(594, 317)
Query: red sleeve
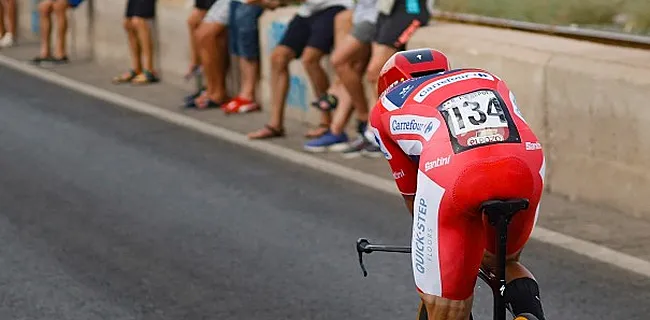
(404, 169)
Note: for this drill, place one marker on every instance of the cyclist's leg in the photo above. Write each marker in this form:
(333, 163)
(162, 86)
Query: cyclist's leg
(522, 291)
(447, 241)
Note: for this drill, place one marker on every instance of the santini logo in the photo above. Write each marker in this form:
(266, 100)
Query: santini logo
(435, 85)
(422, 126)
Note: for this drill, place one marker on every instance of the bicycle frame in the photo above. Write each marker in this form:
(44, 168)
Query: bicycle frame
(499, 214)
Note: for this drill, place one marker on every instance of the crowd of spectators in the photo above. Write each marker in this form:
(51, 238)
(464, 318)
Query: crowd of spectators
(357, 36)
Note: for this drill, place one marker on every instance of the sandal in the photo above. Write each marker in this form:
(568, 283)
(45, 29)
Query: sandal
(39, 59)
(205, 104)
(318, 131)
(190, 98)
(267, 132)
(125, 77)
(146, 77)
(327, 102)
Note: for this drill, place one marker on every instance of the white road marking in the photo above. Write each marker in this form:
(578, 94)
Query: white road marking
(585, 248)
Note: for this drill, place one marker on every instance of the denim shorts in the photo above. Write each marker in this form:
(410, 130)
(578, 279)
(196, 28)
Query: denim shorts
(243, 37)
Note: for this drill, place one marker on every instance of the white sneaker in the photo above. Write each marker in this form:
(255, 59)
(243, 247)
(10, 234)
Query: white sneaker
(7, 40)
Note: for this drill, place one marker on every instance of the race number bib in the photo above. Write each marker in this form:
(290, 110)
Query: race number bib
(478, 118)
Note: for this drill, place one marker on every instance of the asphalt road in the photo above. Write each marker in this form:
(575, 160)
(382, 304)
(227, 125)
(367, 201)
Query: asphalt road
(107, 214)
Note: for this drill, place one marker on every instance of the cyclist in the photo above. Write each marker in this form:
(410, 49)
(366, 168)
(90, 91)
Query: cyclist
(454, 139)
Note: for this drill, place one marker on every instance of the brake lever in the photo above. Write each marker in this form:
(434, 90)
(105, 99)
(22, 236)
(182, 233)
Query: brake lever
(361, 249)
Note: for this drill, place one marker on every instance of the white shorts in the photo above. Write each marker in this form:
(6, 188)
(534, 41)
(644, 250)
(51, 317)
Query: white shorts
(218, 13)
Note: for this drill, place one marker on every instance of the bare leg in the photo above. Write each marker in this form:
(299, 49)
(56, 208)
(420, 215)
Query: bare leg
(380, 54)
(134, 45)
(11, 15)
(347, 59)
(45, 10)
(311, 58)
(193, 22)
(60, 8)
(280, 59)
(212, 40)
(143, 36)
(2, 19)
(249, 69)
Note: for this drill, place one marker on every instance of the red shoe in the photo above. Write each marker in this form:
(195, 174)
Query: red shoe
(241, 105)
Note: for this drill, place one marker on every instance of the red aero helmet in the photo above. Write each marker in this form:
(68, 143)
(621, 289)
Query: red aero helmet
(410, 64)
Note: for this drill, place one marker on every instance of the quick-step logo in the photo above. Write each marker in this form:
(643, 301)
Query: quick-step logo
(411, 124)
(433, 86)
(420, 227)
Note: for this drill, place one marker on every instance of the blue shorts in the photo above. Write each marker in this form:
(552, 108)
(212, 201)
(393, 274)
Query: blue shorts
(243, 37)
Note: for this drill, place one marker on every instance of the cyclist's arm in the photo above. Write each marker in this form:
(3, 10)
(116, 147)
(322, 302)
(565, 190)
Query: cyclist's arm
(404, 169)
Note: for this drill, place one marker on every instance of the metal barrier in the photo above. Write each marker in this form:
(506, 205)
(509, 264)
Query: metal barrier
(605, 37)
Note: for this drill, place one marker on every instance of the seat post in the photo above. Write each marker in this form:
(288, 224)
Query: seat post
(500, 221)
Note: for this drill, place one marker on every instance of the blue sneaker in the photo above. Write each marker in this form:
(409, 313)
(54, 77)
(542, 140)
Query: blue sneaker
(328, 142)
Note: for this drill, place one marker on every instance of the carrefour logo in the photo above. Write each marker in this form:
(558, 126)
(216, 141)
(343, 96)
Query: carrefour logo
(435, 85)
(411, 124)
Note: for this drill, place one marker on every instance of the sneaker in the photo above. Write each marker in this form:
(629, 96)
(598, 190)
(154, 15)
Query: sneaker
(327, 142)
(7, 40)
(354, 148)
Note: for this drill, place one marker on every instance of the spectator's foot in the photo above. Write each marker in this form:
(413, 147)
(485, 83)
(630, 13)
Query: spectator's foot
(267, 132)
(125, 77)
(322, 129)
(361, 146)
(328, 142)
(146, 77)
(241, 105)
(327, 102)
(7, 40)
(204, 102)
(190, 99)
(40, 59)
(62, 60)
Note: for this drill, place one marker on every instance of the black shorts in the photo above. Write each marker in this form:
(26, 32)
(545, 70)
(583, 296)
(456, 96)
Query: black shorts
(141, 8)
(204, 4)
(316, 31)
(396, 29)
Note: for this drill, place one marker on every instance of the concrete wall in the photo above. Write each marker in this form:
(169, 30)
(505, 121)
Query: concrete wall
(587, 102)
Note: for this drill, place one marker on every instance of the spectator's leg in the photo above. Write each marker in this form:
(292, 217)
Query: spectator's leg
(320, 43)
(7, 7)
(291, 47)
(144, 11)
(280, 59)
(134, 45)
(45, 11)
(350, 60)
(2, 19)
(212, 39)
(248, 49)
(380, 54)
(60, 9)
(193, 23)
(11, 16)
(343, 112)
(145, 40)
